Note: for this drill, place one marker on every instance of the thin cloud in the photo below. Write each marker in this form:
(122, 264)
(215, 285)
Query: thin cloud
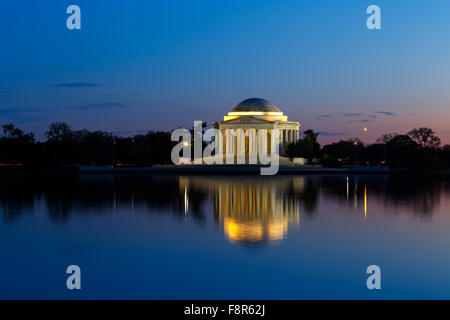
(323, 116)
(108, 105)
(352, 115)
(23, 115)
(6, 111)
(77, 85)
(120, 133)
(386, 113)
(331, 134)
(120, 95)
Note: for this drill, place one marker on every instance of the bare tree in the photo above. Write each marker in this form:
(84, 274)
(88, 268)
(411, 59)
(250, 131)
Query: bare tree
(10, 131)
(385, 138)
(59, 132)
(425, 137)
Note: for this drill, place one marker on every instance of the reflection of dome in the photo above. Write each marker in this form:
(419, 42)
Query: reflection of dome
(255, 105)
(254, 231)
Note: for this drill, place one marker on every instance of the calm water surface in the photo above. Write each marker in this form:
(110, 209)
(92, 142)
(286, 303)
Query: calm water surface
(224, 237)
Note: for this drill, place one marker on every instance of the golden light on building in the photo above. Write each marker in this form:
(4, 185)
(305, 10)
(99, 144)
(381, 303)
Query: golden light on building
(247, 120)
(270, 116)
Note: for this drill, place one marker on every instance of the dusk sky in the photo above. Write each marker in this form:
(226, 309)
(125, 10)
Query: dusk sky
(137, 66)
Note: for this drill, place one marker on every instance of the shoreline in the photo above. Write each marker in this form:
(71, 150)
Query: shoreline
(235, 169)
(215, 169)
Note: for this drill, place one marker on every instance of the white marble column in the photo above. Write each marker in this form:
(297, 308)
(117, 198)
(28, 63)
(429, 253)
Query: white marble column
(230, 140)
(281, 142)
(229, 135)
(238, 140)
(219, 144)
(252, 146)
(240, 146)
(285, 139)
(262, 142)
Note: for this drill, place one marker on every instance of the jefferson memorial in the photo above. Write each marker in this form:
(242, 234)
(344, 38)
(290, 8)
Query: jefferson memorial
(248, 117)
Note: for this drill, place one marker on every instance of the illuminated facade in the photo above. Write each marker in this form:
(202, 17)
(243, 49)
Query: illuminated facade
(247, 118)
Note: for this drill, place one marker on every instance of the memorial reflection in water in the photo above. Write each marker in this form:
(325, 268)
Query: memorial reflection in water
(253, 209)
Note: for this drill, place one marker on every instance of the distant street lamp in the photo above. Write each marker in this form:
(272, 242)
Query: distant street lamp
(355, 144)
(114, 152)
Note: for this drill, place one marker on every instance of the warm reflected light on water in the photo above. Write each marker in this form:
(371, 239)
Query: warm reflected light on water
(365, 202)
(254, 209)
(186, 201)
(239, 234)
(255, 231)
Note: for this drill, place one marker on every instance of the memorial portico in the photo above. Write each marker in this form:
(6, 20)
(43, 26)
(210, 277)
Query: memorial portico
(249, 126)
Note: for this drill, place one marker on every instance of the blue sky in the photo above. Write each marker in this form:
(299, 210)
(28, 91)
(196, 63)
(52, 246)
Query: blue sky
(141, 65)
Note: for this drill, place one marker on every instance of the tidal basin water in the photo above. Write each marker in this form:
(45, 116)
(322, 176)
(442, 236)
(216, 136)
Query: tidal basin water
(224, 237)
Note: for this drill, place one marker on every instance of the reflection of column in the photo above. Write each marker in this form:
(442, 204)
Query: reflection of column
(272, 193)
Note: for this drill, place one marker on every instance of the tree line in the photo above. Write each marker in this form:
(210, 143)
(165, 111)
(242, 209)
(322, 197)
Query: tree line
(64, 146)
(419, 148)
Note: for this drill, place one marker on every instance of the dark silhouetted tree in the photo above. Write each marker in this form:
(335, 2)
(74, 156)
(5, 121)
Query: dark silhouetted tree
(15, 145)
(339, 150)
(59, 132)
(385, 138)
(306, 147)
(425, 137)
